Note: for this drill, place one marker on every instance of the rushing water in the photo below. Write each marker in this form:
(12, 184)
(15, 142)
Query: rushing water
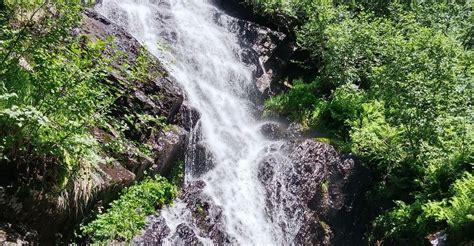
(194, 40)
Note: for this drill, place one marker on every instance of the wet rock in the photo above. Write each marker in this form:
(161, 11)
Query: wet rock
(200, 160)
(438, 239)
(268, 51)
(186, 236)
(199, 212)
(264, 49)
(295, 130)
(244, 10)
(169, 148)
(273, 130)
(156, 232)
(313, 194)
(188, 117)
(325, 189)
(159, 96)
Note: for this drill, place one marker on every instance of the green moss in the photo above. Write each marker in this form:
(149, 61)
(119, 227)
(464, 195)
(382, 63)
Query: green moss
(323, 140)
(200, 210)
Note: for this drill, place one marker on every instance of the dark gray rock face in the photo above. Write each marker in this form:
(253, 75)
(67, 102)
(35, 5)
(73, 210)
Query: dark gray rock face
(201, 214)
(273, 50)
(160, 95)
(328, 188)
(273, 130)
(277, 131)
(266, 50)
(319, 189)
(199, 159)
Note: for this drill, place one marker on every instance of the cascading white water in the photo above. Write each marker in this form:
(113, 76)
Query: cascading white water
(202, 54)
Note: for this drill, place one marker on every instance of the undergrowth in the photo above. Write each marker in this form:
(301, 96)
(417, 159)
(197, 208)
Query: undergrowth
(127, 215)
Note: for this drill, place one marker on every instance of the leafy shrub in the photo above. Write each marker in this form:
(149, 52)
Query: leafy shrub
(52, 90)
(456, 211)
(126, 216)
(345, 104)
(373, 138)
(394, 81)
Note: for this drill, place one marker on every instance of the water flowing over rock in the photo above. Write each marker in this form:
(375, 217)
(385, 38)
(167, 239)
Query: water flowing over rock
(328, 188)
(247, 182)
(266, 48)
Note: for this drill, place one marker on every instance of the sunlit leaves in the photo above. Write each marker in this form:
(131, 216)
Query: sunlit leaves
(52, 87)
(398, 79)
(126, 216)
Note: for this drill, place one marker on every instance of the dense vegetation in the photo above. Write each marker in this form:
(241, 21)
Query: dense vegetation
(126, 216)
(54, 90)
(49, 90)
(392, 83)
(55, 93)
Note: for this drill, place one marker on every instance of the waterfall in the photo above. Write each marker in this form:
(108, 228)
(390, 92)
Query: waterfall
(193, 39)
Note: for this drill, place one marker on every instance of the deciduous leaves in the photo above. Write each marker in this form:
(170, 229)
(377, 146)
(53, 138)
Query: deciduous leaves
(397, 79)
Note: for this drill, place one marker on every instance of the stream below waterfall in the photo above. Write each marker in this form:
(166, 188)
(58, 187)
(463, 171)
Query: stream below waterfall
(195, 42)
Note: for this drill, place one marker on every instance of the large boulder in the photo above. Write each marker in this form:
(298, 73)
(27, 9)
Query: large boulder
(326, 190)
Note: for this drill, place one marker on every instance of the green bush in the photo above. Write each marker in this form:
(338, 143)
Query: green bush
(457, 211)
(296, 101)
(52, 90)
(345, 104)
(126, 216)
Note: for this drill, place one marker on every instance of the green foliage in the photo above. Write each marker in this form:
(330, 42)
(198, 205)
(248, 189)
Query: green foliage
(346, 103)
(399, 222)
(51, 89)
(177, 173)
(374, 139)
(126, 216)
(394, 81)
(56, 103)
(54, 90)
(457, 211)
(296, 101)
